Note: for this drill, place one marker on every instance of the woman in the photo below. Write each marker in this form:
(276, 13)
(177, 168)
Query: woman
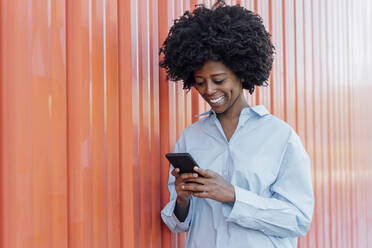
(256, 187)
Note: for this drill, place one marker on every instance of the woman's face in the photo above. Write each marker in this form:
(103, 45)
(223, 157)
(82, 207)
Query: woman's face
(218, 85)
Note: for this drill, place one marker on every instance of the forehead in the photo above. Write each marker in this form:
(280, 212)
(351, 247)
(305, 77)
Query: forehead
(211, 67)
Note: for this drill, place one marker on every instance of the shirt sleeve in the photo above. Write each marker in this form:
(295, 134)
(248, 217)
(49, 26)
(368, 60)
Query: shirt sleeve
(289, 211)
(167, 214)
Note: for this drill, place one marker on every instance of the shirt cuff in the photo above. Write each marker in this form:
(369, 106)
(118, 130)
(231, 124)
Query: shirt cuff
(242, 211)
(171, 220)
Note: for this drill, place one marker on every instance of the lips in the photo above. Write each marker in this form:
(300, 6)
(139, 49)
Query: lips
(215, 101)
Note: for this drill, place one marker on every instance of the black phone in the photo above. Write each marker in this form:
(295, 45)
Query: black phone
(183, 161)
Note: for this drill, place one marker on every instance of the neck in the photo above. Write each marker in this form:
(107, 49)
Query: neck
(233, 112)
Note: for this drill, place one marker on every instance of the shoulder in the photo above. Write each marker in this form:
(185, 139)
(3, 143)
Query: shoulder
(270, 122)
(196, 128)
(191, 135)
(280, 135)
(268, 128)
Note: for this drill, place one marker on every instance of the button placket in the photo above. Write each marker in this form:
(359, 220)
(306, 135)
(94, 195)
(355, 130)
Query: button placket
(228, 164)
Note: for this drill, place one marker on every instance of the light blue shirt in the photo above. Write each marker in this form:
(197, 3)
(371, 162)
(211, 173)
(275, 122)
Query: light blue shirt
(270, 171)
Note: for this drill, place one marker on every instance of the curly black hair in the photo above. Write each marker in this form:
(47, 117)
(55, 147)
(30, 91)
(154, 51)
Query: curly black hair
(232, 35)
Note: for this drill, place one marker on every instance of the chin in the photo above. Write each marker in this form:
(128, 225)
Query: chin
(219, 110)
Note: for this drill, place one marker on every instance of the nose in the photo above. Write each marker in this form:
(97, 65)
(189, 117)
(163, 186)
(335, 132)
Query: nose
(210, 88)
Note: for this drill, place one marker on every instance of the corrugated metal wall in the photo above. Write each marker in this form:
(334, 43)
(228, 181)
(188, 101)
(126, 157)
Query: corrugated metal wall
(86, 117)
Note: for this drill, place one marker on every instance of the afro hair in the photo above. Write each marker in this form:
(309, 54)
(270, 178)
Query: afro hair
(232, 35)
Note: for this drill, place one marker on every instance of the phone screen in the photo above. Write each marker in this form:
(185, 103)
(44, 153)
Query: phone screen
(183, 161)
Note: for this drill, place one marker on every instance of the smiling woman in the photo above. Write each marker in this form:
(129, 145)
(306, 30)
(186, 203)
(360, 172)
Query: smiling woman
(255, 189)
(221, 88)
(223, 91)
(230, 34)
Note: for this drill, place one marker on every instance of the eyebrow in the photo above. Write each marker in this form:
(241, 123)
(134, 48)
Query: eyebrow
(213, 75)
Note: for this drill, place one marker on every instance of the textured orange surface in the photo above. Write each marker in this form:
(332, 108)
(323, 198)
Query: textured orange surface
(86, 117)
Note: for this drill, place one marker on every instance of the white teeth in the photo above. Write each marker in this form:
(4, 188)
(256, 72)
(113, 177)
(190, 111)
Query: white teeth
(216, 100)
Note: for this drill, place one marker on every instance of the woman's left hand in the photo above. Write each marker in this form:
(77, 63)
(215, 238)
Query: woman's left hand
(211, 186)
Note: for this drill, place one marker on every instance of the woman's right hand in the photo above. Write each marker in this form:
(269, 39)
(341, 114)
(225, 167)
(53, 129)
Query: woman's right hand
(183, 196)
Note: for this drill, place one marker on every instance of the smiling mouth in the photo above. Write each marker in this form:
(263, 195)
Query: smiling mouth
(216, 101)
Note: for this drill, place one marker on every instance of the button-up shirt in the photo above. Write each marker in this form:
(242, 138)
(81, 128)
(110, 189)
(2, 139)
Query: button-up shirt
(270, 171)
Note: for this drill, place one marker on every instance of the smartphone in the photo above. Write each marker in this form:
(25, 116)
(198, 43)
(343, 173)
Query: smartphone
(183, 161)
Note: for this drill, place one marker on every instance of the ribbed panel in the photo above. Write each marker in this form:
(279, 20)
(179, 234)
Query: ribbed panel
(87, 116)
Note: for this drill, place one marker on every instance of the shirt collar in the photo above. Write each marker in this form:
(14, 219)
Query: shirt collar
(259, 110)
(205, 113)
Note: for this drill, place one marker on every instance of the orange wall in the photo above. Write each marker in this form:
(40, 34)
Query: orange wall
(86, 117)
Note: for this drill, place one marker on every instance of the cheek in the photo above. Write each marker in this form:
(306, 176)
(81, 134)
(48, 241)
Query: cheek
(237, 90)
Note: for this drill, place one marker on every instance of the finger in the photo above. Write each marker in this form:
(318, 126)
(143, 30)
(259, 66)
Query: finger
(180, 190)
(204, 173)
(199, 180)
(175, 172)
(201, 194)
(186, 176)
(193, 187)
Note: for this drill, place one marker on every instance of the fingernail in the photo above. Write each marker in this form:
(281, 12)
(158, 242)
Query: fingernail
(183, 187)
(196, 168)
(195, 175)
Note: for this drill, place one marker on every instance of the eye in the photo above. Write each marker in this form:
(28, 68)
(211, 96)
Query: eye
(219, 81)
(199, 83)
